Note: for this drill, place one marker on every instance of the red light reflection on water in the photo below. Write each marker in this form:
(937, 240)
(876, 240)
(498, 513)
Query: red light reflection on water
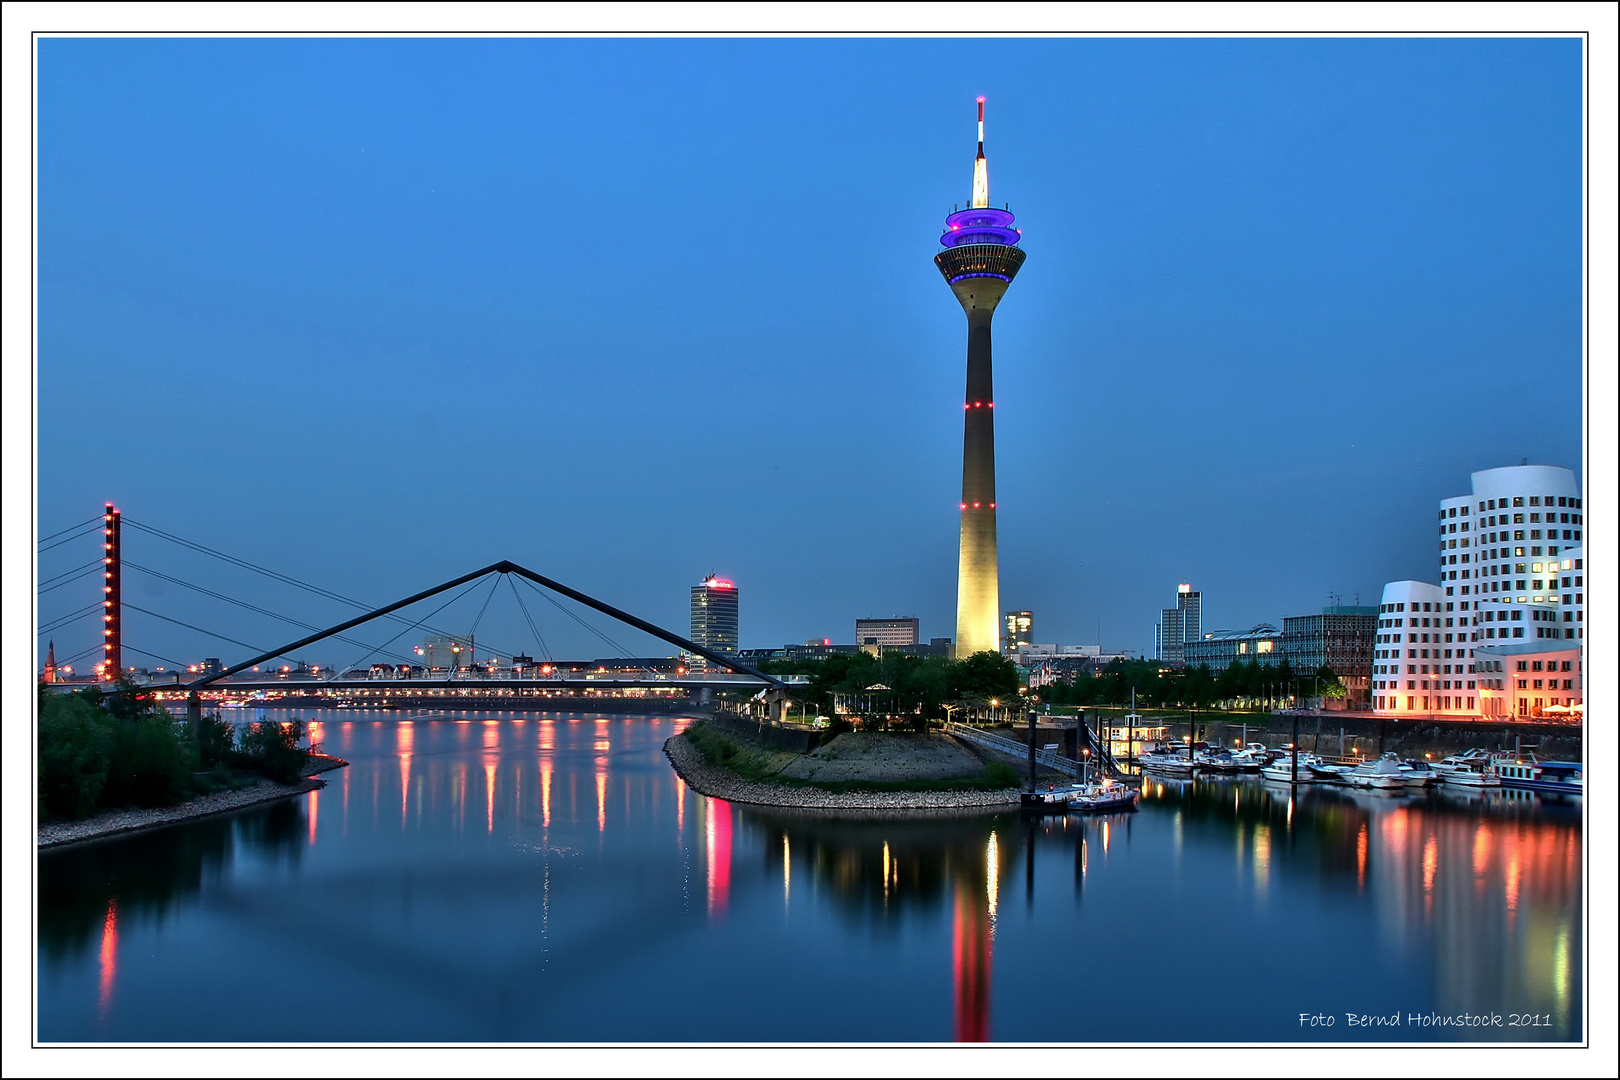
(407, 740)
(489, 794)
(970, 964)
(545, 792)
(1431, 862)
(1361, 857)
(314, 813)
(109, 956)
(718, 834)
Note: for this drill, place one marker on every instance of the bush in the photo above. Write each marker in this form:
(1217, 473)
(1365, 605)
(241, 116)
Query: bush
(272, 748)
(214, 738)
(74, 752)
(150, 765)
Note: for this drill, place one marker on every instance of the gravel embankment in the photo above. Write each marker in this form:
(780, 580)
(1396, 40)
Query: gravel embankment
(721, 783)
(115, 822)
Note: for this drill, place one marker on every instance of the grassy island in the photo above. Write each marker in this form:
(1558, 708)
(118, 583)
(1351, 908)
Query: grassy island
(855, 762)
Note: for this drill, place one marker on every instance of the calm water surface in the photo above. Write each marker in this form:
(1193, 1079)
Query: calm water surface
(548, 878)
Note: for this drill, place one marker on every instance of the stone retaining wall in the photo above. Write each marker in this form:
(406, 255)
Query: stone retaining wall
(720, 783)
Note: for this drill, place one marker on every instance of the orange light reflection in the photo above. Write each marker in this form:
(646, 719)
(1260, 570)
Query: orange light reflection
(109, 956)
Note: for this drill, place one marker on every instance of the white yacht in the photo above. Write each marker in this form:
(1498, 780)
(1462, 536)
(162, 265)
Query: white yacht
(1383, 773)
(1283, 768)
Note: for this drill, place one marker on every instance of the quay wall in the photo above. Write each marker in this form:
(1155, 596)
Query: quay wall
(1371, 735)
(794, 739)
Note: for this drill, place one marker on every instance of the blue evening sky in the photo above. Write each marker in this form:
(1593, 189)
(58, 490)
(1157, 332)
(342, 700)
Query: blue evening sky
(377, 312)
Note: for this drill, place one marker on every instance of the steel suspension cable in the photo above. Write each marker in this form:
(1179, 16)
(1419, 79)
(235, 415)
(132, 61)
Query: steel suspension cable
(555, 603)
(545, 652)
(75, 570)
(416, 624)
(83, 573)
(70, 528)
(277, 575)
(188, 626)
(250, 607)
(69, 540)
(65, 619)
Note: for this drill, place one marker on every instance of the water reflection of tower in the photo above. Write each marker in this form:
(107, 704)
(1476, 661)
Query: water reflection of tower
(880, 874)
(980, 260)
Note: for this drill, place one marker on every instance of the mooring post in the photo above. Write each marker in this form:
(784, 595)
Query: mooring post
(1032, 750)
(1295, 780)
(1080, 751)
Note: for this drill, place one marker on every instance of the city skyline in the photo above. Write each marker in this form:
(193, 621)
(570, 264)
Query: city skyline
(1270, 317)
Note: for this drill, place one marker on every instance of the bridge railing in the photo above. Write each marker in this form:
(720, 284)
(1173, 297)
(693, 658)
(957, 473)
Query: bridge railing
(1001, 744)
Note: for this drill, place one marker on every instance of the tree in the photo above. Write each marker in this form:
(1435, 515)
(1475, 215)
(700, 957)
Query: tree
(74, 752)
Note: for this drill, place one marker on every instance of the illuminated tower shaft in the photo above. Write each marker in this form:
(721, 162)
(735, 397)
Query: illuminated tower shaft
(112, 594)
(980, 260)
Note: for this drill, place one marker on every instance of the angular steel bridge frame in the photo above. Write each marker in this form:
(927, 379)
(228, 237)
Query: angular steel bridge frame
(506, 567)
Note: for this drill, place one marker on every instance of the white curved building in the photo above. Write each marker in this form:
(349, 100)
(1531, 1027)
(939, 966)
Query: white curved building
(1405, 676)
(1511, 566)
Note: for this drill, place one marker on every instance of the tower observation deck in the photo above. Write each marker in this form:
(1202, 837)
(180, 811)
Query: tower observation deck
(980, 260)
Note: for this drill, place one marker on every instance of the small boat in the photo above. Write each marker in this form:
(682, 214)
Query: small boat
(1324, 773)
(1419, 774)
(1553, 777)
(1471, 769)
(1383, 773)
(1283, 768)
(1053, 800)
(1107, 795)
(1475, 761)
(1167, 757)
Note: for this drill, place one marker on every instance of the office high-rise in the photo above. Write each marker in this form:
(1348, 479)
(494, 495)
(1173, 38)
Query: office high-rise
(1179, 625)
(1018, 630)
(714, 619)
(980, 260)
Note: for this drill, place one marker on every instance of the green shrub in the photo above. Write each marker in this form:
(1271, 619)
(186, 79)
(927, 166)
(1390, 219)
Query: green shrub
(213, 737)
(272, 748)
(150, 766)
(75, 749)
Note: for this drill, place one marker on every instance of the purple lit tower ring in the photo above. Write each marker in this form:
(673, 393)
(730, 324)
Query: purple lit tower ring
(980, 260)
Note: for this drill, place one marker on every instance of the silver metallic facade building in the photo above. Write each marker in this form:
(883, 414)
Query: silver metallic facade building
(1179, 625)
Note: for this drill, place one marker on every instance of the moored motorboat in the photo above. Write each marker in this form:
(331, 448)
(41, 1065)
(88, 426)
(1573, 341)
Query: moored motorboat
(1324, 773)
(1471, 769)
(1283, 768)
(1107, 795)
(1552, 777)
(1418, 773)
(1383, 773)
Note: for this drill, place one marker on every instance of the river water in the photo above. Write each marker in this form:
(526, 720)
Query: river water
(508, 878)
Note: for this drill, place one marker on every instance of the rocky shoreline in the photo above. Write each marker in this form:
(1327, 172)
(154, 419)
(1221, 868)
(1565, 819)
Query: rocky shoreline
(120, 822)
(720, 783)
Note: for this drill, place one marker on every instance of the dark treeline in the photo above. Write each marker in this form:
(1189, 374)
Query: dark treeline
(1196, 687)
(917, 687)
(110, 751)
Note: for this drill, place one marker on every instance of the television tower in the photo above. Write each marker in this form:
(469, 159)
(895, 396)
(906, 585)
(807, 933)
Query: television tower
(980, 259)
